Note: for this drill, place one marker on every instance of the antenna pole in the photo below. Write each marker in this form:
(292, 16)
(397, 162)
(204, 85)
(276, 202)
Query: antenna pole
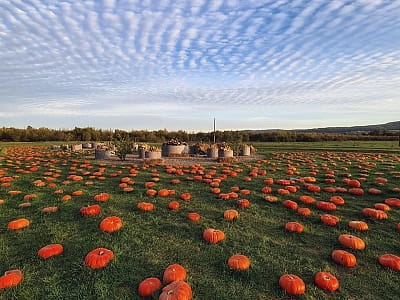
(214, 130)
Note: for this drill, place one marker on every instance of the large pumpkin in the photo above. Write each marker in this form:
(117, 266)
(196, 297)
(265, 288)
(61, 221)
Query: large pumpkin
(111, 224)
(102, 197)
(92, 210)
(390, 260)
(11, 278)
(294, 227)
(213, 236)
(351, 241)
(149, 286)
(344, 258)
(292, 284)
(50, 250)
(98, 258)
(18, 224)
(326, 281)
(177, 290)
(174, 272)
(239, 262)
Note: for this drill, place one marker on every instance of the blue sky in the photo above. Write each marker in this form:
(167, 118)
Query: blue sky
(137, 64)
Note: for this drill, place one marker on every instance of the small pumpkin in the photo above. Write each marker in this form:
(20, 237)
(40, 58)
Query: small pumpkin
(98, 258)
(375, 213)
(307, 199)
(390, 261)
(174, 272)
(344, 258)
(358, 225)
(50, 250)
(145, 206)
(18, 224)
(382, 206)
(111, 224)
(163, 193)
(149, 286)
(213, 236)
(351, 241)
(292, 284)
(173, 205)
(239, 262)
(326, 281)
(324, 205)
(50, 209)
(194, 217)
(92, 210)
(337, 200)
(231, 214)
(330, 220)
(395, 202)
(290, 204)
(185, 196)
(294, 227)
(177, 290)
(11, 278)
(243, 203)
(304, 211)
(102, 197)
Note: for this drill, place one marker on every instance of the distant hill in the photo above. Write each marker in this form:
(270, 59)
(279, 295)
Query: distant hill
(388, 127)
(391, 127)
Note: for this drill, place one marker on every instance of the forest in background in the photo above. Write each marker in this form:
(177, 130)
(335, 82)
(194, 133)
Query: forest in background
(31, 134)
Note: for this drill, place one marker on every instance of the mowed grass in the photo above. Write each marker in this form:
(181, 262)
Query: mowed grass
(150, 241)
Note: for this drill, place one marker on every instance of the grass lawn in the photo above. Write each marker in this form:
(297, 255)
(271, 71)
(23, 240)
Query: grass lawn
(150, 241)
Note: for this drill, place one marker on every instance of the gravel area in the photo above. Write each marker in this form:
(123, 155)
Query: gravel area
(184, 161)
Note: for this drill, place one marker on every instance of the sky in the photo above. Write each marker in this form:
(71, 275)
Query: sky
(175, 64)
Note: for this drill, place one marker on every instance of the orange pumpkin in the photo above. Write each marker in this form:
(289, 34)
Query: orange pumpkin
(292, 284)
(307, 199)
(230, 214)
(243, 203)
(50, 209)
(110, 224)
(294, 227)
(323, 205)
(50, 250)
(173, 205)
(351, 241)
(174, 272)
(344, 258)
(149, 286)
(326, 281)
(375, 213)
(185, 196)
(92, 210)
(395, 202)
(382, 206)
(194, 217)
(239, 262)
(213, 236)
(390, 261)
(290, 204)
(330, 220)
(145, 206)
(304, 211)
(18, 224)
(11, 278)
(98, 258)
(358, 225)
(177, 290)
(337, 200)
(163, 193)
(102, 197)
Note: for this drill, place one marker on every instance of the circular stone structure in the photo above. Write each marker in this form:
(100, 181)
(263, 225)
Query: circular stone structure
(102, 154)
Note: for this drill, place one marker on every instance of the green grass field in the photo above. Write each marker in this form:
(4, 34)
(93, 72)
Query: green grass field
(150, 241)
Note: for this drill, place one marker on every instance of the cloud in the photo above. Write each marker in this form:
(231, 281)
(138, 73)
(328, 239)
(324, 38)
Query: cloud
(168, 53)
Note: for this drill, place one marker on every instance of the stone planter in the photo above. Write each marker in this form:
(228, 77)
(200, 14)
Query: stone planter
(102, 154)
(173, 150)
(95, 145)
(153, 154)
(222, 153)
(56, 147)
(245, 151)
(212, 152)
(76, 147)
(87, 145)
(141, 153)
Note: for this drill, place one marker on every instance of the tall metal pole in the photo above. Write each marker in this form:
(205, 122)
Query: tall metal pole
(214, 130)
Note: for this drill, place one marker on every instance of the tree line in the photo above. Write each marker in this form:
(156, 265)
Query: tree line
(31, 134)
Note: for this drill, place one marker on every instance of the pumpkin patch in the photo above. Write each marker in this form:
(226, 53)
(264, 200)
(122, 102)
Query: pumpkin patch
(319, 205)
